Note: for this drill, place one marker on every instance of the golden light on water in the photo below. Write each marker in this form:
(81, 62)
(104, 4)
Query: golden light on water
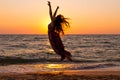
(53, 68)
(58, 66)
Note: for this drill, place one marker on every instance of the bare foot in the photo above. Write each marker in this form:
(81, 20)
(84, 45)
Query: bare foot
(69, 58)
(62, 58)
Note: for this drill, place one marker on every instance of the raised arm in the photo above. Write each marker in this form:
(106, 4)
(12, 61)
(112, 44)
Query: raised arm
(50, 10)
(56, 11)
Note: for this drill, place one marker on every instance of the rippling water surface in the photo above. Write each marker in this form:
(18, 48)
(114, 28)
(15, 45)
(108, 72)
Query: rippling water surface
(33, 53)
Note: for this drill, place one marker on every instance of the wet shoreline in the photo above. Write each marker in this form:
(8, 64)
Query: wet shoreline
(79, 75)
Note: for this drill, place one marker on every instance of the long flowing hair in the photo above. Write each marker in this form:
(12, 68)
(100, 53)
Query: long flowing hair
(60, 24)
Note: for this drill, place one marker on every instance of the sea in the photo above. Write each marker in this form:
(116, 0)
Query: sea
(23, 53)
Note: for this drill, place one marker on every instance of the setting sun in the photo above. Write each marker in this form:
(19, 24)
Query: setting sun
(45, 25)
(42, 26)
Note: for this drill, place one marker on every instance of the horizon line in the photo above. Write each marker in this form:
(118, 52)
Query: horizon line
(65, 34)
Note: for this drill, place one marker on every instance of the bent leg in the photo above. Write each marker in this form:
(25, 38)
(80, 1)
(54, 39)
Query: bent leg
(61, 53)
(68, 55)
(62, 57)
(65, 54)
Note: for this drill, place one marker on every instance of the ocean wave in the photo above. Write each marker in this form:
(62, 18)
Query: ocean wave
(18, 45)
(89, 49)
(97, 66)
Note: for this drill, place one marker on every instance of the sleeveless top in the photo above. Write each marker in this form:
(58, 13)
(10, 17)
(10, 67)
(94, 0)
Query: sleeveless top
(55, 40)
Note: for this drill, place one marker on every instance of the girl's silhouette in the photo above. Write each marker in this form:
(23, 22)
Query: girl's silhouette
(55, 29)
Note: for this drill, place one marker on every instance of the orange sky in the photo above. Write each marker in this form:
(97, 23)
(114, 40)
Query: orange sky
(87, 16)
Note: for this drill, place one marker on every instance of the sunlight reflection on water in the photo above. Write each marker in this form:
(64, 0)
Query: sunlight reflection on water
(55, 66)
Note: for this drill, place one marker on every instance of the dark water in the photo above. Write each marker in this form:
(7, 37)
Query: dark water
(88, 51)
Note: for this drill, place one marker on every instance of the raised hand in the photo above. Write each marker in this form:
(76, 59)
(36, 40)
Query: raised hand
(57, 7)
(49, 4)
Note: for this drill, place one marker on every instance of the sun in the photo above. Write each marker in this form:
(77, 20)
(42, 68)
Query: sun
(46, 22)
(44, 26)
